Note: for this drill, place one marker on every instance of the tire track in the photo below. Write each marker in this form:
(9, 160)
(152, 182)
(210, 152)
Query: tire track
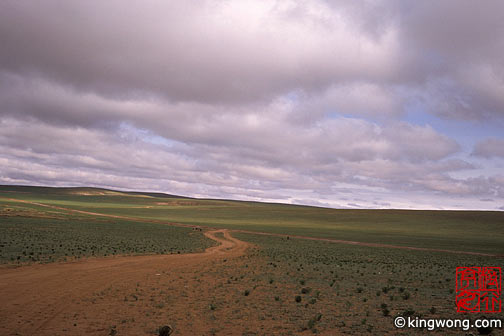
(331, 240)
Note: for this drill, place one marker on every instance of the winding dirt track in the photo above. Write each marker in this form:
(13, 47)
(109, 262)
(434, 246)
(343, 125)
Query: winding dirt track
(89, 297)
(35, 298)
(331, 240)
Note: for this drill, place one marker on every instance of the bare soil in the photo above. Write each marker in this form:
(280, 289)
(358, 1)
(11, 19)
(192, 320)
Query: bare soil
(115, 295)
(225, 290)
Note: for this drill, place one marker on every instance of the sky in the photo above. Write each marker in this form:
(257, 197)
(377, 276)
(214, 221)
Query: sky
(344, 104)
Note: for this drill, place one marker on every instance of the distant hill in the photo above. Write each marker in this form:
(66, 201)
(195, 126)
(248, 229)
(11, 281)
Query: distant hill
(475, 231)
(84, 191)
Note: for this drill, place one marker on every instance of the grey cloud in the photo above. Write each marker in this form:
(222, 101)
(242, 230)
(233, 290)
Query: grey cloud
(279, 100)
(459, 46)
(357, 99)
(120, 155)
(222, 52)
(190, 51)
(488, 148)
(493, 186)
(354, 205)
(454, 31)
(52, 102)
(382, 204)
(260, 131)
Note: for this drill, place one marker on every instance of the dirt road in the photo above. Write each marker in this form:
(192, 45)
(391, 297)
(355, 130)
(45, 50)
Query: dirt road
(88, 297)
(331, 240)
(197, 294)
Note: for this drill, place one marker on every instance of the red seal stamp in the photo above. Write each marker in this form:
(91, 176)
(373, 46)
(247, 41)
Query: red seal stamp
(478, 289)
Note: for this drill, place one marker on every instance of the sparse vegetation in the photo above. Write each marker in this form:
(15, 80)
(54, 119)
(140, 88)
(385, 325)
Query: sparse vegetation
(356, 288)
(29, 236)
(478, 231)
(357, 283)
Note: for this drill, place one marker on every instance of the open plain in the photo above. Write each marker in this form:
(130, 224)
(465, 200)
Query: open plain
(99, 262)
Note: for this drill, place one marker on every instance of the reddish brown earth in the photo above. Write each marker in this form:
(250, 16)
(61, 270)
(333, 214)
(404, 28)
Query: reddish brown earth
(135, 294)
(197, 294)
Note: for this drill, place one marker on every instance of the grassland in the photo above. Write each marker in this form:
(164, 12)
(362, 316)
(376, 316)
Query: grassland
(282, 286)
(477, 231)
(322, 286)
(28, 234)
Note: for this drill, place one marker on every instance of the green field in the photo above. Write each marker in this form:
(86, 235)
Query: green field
(476, 231)
(295, 285)
(357, 289)
(35, 234)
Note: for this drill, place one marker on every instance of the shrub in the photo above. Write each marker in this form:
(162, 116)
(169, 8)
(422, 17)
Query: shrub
(384, 309)
(165, 331)
(311, 324)
(305, 290)
(312, 321)
(408, 312)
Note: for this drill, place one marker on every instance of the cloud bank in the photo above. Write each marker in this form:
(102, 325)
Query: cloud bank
(363, 104)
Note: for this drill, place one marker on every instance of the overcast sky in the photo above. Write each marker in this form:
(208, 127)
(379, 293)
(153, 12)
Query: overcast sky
(347, 104)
